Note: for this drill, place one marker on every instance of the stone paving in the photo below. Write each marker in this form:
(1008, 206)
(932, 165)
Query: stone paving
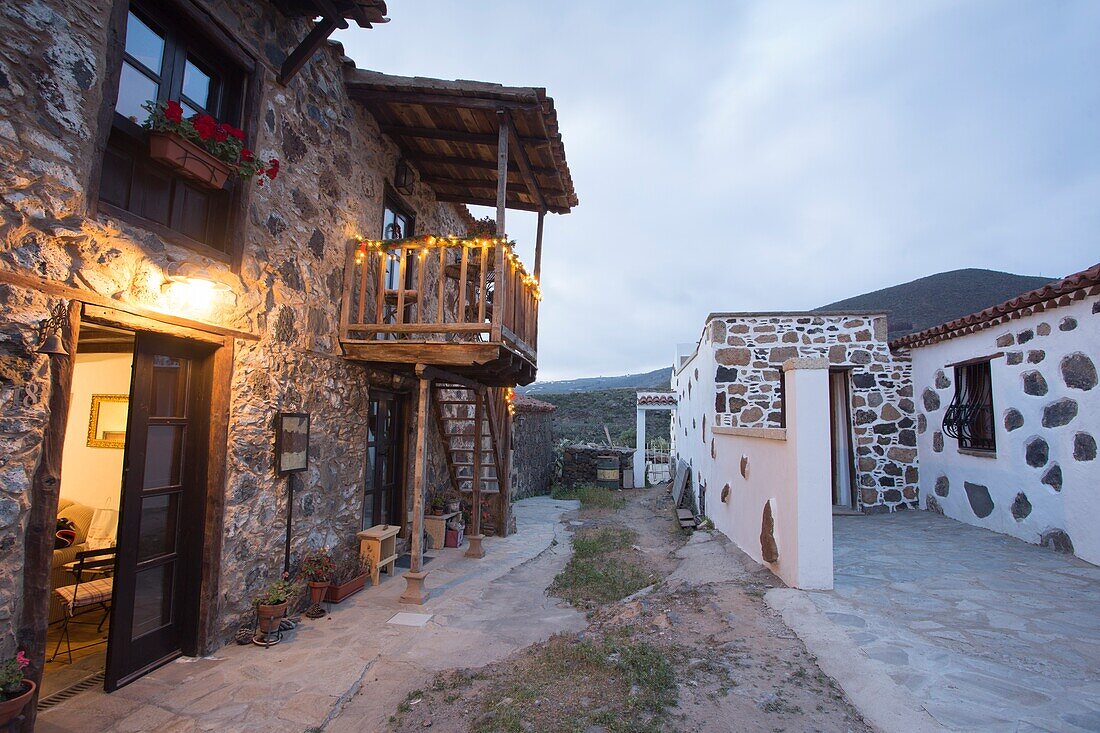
(986, 632)
(350, 670)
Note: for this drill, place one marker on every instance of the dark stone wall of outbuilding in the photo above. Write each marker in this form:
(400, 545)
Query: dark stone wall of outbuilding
(579, 464)
(532, 452)
(295, 235)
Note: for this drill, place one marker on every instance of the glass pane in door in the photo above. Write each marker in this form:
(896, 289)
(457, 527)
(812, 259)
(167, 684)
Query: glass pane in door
(153, 599)
(169, 387)
(164, 456)
(159, 518)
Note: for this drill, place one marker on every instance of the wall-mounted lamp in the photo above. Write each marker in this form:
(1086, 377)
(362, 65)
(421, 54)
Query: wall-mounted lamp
(189, 286)
(403, 179)
(49, 332)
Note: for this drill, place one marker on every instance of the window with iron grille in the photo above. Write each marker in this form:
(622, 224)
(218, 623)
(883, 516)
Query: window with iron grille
(969, 417)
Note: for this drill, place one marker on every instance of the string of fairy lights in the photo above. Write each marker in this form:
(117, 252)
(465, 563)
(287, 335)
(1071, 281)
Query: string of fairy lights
(389, 248)
(510, 400)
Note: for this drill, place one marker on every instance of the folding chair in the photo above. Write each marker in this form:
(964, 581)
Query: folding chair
(86, 595)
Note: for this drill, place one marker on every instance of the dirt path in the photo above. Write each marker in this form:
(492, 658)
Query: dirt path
(696, 648)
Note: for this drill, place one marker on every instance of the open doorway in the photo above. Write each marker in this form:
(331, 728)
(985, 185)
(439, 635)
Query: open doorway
(128, 558)
(840, 431)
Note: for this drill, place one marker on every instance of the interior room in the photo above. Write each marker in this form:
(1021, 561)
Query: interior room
(88, 507)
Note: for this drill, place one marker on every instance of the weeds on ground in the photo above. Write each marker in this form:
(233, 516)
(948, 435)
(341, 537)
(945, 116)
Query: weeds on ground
(603, 568)
(627, 685)
(590, 496)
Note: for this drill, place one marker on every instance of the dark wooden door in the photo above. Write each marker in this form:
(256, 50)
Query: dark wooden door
(383, 501)
(154, 613)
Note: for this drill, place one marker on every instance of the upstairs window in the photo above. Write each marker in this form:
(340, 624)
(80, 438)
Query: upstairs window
(969, 417)
(163, 60)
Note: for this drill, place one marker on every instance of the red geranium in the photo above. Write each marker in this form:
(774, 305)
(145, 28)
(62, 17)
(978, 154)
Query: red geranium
(273, 168)
(246, 155)
(173, 112)
(235, 132)
(204, 126)
(221, 132)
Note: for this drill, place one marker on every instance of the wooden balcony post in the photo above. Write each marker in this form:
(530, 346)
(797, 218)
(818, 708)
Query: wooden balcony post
(415, 592)
(503, 126)
(538, 248)
(475, 549)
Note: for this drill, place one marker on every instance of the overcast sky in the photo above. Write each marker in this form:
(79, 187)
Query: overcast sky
(778, 155)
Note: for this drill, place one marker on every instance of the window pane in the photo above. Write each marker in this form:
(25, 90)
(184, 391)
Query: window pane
(164, 456)
(169, 387)
(134, 90)
(188, 110)
(197, 85)
(194, 209)
(144, 44)
(157, 533)
(152, 599)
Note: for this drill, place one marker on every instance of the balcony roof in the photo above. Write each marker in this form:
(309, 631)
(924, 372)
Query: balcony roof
(447, 130)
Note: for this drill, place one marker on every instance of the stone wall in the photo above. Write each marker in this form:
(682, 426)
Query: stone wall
(1040, 482)
(579, 464)
(295, 234)
(532, 447)
(749, 351)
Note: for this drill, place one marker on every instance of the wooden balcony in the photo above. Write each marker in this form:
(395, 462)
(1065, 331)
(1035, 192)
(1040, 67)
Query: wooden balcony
(467, 306)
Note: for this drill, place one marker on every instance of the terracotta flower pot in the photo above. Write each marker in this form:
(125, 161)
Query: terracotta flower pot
(317, 590)
(188, 159)
(437, 511)
(10, 709)
(269, 617)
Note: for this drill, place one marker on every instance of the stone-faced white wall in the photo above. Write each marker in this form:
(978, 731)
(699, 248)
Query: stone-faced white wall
(295, 235)
(749, 351)
(1043, 483)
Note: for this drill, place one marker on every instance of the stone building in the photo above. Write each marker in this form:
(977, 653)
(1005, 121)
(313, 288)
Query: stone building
(872, 433)
(1009, 415)
(237, 303)
(533, 455)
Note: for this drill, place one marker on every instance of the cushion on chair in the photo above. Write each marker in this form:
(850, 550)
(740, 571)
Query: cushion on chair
(79, 514)
(65, 535)
(86, 594)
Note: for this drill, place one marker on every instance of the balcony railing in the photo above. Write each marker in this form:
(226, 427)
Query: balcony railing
(429, 290)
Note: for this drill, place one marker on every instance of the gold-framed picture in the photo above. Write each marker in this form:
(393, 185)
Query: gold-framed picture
(107, 421)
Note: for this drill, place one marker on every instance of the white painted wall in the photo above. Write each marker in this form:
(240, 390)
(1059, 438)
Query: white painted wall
(789, 467)
(93, 476)
(1076, 508)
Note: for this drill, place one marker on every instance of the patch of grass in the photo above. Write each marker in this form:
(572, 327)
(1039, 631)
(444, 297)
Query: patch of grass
(590, 496)
(627, 685)
(603, 568)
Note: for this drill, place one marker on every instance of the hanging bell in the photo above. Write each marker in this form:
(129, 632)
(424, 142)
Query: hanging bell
(52, 345)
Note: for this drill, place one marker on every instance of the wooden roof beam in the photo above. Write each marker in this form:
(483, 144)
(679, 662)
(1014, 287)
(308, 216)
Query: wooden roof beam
(490, 202)
(524, 164)
(457, 136)
(489, 165)
(483, 183)
(380, 96)
(309, 45)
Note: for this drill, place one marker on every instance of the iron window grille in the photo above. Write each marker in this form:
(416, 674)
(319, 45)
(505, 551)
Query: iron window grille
(969, 417)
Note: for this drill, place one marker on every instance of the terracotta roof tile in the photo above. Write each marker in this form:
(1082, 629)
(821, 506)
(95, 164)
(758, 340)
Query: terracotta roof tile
(656, 398)
(1052, 295)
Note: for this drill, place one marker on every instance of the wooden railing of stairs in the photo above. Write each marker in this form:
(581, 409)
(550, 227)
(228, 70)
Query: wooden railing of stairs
(474, 425)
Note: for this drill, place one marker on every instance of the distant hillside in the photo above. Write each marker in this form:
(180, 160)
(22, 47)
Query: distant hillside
(656, 379)
(936, 299)
(582, 415)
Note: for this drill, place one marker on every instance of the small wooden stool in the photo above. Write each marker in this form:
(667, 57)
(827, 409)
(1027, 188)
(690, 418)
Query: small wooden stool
(435, 527)
(378, 545)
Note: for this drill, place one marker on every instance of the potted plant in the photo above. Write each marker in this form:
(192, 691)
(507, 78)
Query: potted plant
(272, 603)
(318, 568)
(350, 577)
(15, 689)
(200, 147)
(437, 505)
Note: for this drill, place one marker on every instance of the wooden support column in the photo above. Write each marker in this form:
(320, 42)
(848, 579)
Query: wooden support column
(505, 483)
(415, 592)
(538, 247)
(42, 518)
(503, 128)
(475, 549)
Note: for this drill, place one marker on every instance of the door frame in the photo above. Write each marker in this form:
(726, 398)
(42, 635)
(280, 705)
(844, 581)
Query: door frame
(853, 484)
(39, 540)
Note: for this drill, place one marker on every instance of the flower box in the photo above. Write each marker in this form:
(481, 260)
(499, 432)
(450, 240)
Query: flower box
(188, 159)
(337, 593)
